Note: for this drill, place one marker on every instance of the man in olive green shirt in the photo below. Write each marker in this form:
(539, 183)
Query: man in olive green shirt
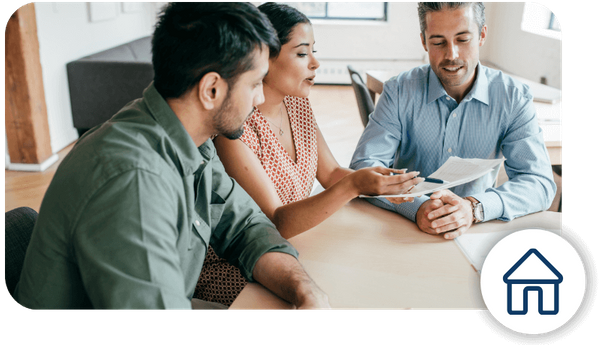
(130, 212)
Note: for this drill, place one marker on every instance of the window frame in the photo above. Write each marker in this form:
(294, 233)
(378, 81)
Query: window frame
(326, 17)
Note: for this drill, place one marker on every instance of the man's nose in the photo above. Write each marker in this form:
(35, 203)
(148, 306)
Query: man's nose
(452, 52)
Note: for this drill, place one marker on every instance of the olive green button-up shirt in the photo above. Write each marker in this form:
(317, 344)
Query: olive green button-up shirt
(128, 216)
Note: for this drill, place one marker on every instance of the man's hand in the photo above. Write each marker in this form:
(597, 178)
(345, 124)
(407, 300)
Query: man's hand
(446, 213)
(283, 275)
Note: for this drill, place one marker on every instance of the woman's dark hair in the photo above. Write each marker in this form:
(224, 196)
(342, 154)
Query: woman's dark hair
(284, 18)
(193, 39)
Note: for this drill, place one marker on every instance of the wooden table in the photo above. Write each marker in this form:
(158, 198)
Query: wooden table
(366, 257)
(546, 101)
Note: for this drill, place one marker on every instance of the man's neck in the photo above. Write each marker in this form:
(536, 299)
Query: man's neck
(459, 92)
(195, 121)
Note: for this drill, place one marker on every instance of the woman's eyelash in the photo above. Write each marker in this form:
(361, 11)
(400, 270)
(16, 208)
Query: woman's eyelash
(304, 54)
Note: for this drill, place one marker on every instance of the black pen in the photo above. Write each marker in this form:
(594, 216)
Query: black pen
(434, 180)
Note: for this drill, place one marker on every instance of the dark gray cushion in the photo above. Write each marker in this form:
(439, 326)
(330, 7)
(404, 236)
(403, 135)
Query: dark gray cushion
(101, 84)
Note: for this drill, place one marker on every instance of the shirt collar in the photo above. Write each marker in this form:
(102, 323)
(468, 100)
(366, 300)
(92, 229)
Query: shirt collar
(479, 91)
(190, 157)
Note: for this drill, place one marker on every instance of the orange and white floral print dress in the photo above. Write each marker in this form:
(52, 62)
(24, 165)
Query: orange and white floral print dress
(220, 281)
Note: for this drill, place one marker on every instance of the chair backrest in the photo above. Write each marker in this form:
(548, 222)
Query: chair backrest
(352, 71)
(363, 98)
(17, 233)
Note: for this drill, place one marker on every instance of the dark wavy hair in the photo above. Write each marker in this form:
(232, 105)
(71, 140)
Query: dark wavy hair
(193, 39)
(284, 18)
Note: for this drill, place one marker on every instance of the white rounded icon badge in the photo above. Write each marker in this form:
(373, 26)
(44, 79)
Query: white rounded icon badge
(533, 281)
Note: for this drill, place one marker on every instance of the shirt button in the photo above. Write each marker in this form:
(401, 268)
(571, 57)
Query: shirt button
(201, 163)
(450, 149)
(447, 98)
(197, 222)
(454, 115)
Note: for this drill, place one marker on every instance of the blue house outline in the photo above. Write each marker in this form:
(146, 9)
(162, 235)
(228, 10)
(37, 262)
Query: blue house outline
(509, 282)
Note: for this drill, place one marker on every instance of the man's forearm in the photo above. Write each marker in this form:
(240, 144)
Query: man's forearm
(283, 275)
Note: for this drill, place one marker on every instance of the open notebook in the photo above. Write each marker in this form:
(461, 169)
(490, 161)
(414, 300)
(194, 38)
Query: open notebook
(454, 172)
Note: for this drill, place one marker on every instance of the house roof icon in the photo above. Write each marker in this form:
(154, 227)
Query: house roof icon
(532, 268)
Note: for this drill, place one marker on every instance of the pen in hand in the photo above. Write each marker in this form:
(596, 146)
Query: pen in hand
(434, 180)
(427, 179)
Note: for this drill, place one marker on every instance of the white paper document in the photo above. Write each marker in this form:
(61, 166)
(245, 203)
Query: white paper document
(454, 172)
(476, 246)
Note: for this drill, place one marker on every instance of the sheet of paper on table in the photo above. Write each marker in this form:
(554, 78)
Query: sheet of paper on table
(476, 246)
(454, 172)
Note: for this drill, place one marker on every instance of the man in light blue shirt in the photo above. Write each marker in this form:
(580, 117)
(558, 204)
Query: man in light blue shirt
(456, 107)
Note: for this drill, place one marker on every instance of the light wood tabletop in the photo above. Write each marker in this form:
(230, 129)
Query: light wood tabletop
(365, 257)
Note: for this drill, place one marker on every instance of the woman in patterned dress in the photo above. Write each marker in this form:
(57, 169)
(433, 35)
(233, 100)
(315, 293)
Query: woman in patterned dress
(282, 151)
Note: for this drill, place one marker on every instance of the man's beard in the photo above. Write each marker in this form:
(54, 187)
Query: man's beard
(222, 121)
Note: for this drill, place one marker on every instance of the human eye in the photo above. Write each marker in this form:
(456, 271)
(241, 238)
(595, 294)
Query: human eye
(464, 39)
(302, 54)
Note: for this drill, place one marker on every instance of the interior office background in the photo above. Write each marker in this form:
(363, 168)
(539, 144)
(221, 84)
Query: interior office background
(519, 42)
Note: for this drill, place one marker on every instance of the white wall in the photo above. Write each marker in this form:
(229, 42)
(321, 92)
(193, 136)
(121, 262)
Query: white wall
(65, 33)
(518, 52)
(367, 44)
(377, 45)
(396, 39)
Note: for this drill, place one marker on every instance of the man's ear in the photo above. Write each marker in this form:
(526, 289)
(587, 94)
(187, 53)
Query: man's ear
(212, 89)
(423, 42)
(483, 35)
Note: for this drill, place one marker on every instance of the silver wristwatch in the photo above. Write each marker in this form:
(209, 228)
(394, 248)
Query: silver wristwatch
(477, 209)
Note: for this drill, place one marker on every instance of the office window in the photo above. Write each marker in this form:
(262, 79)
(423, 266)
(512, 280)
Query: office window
(539, 20)
(343, 10)
(554, 24)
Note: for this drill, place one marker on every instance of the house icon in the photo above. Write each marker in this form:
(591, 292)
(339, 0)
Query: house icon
(532, 273)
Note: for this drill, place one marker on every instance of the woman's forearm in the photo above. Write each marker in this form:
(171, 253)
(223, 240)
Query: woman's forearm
(297, 217)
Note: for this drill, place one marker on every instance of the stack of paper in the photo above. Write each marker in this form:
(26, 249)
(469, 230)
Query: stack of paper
(454, 172)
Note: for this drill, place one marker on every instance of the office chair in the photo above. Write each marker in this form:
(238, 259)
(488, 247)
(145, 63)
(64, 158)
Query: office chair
(363, 99)
(352, 71)
(17, 233)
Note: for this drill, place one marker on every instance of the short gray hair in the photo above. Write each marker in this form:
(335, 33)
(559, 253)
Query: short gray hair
(426, 7)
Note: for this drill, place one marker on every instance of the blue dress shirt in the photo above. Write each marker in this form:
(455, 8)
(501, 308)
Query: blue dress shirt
(417, 125)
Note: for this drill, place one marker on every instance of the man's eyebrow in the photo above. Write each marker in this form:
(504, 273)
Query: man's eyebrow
(436, 36)
(463, 33)
(458, 34)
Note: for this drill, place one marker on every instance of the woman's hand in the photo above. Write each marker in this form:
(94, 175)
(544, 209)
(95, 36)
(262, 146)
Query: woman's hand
(384, 181)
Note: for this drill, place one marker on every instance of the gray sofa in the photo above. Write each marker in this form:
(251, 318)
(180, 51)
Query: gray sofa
(102, 83)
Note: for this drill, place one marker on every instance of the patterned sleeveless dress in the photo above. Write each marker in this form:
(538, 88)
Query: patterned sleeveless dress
(220, 281)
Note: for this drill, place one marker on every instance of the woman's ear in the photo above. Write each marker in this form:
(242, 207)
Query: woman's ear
(212, 90)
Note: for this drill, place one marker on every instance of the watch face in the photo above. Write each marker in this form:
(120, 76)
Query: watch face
(478, 212)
